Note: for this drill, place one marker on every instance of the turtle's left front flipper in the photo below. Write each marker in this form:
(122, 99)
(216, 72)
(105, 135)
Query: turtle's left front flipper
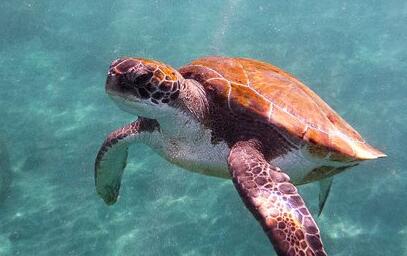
(112, 156)
(268, 193)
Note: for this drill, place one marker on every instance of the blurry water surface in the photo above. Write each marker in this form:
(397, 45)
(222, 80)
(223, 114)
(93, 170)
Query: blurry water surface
(54, 114)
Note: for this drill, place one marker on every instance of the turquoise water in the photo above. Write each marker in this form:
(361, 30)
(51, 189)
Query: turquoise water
(54, 115)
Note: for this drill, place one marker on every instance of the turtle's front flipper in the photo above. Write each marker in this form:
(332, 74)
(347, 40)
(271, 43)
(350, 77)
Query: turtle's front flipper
(268, 193)
(112, 156)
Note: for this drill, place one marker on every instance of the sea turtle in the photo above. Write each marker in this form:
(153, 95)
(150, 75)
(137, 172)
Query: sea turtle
(234, 118)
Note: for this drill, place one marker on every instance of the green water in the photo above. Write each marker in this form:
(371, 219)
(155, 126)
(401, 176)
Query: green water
(54, 114)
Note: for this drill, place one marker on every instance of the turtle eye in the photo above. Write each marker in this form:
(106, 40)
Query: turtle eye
(142, 79)
(137, 78)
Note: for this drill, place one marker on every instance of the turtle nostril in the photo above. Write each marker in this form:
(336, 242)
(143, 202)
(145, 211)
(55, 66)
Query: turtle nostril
(117, 61)
(112, 82)
(114, 72)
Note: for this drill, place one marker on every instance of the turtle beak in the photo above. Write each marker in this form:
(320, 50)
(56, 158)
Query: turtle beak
(124, 100)
(112, 84)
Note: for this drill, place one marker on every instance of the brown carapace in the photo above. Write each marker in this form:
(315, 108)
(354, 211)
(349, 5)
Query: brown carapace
(255, 118)
(277, 97)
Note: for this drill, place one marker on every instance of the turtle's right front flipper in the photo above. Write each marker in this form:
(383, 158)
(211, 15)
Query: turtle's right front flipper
(112, 156)
(268, 193)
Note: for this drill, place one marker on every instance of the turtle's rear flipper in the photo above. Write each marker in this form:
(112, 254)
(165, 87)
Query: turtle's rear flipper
(274, 201)
(324, 189)
(112, 157)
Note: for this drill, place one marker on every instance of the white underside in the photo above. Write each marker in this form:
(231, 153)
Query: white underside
(189, 146)
(191, 149)
(211, 160)
(299, 163)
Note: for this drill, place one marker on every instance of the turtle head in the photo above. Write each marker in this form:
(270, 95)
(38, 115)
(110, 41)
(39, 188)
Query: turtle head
(143, 87)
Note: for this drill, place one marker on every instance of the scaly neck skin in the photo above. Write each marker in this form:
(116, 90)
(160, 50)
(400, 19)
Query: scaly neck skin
(194, 98)
(190, 110)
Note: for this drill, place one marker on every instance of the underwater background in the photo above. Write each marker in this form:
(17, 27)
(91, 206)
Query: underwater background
(54, 115)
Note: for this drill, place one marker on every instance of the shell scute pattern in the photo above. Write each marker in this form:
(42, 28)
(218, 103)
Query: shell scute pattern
(242, 98)
(281, 100)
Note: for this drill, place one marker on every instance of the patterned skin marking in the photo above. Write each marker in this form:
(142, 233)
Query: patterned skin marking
(109, 167)
(268, 193)
(145, 79)
(243, 102)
